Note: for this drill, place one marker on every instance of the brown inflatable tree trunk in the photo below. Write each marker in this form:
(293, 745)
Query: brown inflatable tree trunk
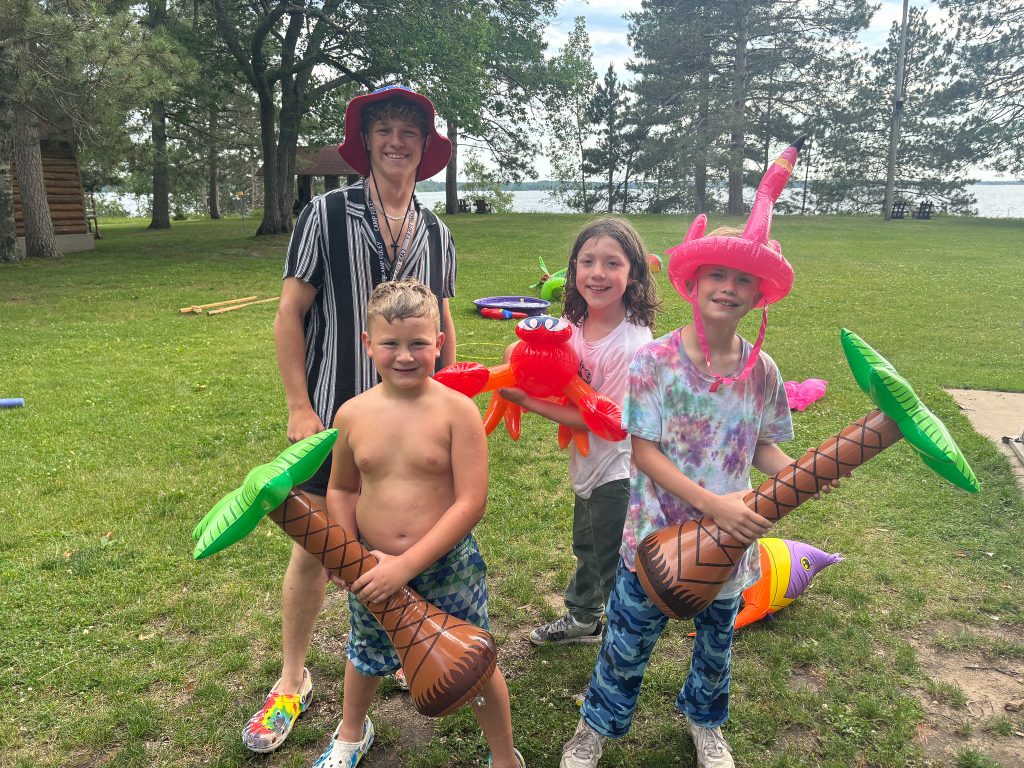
(447, 661)
(682, 567)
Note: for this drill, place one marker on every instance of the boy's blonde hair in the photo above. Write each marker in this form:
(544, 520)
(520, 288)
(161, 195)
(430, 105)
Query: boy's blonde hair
(402, 299)
(726, 232)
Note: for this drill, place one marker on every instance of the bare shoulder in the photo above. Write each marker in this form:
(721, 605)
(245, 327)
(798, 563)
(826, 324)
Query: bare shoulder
(351, 409)
(458, 409)
(456, 402)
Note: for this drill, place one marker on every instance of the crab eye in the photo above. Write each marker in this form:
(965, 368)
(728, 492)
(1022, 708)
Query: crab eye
(543, 329)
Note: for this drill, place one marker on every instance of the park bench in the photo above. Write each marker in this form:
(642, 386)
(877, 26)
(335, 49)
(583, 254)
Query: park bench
(463, 205)
(899, 210)
(924, 210)
(482, 206)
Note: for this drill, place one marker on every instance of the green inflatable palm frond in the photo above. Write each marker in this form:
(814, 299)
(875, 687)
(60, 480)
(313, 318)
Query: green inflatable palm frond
(921, 428)
(265, 488)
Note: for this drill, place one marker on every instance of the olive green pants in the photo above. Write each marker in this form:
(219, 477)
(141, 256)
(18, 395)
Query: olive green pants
(596, 538)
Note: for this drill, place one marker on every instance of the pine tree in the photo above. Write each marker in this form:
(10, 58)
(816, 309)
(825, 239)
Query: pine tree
(990, 44)
(569, 108)
(725, 83)
(610, 157)
(935, 151)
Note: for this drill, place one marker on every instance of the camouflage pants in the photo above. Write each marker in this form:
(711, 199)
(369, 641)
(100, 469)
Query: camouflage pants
(633, 626)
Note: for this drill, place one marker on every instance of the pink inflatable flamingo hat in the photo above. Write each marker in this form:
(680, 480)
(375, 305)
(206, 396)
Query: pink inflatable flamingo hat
(752, 252)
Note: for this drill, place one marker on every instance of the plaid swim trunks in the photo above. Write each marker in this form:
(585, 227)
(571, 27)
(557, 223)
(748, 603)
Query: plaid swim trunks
(456, 584)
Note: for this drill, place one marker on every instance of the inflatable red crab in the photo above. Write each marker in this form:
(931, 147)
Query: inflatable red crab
(545, 366)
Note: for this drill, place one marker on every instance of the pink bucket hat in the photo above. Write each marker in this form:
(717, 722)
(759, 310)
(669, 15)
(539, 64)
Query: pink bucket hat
(753, 252)
(436, 153)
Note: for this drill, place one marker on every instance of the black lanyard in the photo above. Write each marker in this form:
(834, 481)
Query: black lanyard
(388, 271)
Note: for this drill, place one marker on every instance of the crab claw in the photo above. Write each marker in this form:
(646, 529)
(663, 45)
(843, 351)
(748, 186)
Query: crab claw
(495, 412)
(564, 436)
(513, 420)
(466, 377)
(602, 416)
(581, 438)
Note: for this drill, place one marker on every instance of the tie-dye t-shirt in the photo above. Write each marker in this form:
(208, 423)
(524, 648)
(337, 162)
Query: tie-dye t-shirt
(709, 436)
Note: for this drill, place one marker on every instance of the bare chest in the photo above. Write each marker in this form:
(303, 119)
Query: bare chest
(407, 450)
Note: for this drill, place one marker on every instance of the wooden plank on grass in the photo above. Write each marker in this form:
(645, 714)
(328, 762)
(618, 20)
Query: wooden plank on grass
(241, 306)
(198, 308)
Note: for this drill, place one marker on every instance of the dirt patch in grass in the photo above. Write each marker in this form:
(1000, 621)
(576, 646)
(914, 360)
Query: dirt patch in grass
(556, 600)
(995, 415)
(971, 702)
(414, 730)
(806, 678)
(798, 740)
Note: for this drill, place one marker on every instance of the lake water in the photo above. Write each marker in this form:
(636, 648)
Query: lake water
(999, 201)
(994, 200)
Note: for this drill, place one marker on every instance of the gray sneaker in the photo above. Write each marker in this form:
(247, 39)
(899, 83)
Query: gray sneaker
(584, 749)
(565, 629)
(712, 748)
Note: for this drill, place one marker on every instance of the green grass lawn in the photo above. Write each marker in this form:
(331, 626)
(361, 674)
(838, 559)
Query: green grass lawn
(116, 649)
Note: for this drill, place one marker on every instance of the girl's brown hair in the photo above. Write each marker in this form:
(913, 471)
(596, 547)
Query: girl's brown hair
(640, 298)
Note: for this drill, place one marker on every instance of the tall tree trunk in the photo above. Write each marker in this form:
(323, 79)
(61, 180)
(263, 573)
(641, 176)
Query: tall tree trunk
(766, 156)
(700, 159)
(289, 119)
(451, 181)
(9, 250)
(40, 239)
(272, 223)
(611, 185)
(625, 184)
(584, 202)
(161, 173)
(213, 194)
(157, 18)
(739, 88)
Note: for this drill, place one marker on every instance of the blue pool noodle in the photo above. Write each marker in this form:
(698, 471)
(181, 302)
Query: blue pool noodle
(12, 402)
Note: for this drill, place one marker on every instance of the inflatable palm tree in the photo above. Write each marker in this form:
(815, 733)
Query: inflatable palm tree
(682, 567)
(446, 660)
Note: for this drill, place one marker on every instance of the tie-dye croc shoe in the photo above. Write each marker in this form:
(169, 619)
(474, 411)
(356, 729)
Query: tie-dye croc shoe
(268, 728)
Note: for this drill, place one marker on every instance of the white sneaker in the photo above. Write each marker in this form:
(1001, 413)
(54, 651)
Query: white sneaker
(712, 748)
(584, 749)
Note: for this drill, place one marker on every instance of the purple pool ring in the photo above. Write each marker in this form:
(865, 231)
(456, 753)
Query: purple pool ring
(528, 304)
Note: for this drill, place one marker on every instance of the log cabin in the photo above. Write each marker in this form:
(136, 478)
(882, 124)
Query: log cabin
(64, 195)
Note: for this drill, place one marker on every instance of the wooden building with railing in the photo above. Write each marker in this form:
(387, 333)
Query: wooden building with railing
(64, 195)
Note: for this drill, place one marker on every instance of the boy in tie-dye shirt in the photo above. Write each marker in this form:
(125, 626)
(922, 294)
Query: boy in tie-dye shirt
(695, 435)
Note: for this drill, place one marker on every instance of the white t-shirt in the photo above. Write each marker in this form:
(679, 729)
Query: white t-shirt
(604, 365)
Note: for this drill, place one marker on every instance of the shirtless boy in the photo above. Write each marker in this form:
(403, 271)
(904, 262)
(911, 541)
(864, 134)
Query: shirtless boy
(410, 476)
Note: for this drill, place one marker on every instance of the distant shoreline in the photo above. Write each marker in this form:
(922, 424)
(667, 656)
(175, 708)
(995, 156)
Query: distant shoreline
(546, 185)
